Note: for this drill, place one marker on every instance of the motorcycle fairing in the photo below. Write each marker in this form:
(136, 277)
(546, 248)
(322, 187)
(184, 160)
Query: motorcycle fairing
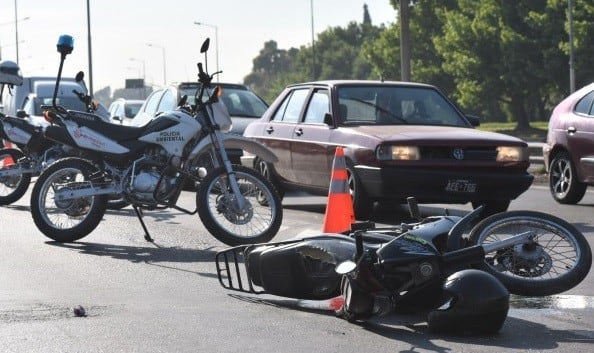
(16, 130)
(184, 129)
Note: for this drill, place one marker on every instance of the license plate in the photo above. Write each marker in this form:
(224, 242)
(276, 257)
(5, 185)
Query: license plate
(461, 185)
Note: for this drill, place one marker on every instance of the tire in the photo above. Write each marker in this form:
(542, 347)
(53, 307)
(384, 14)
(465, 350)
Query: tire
(69, 220)
(12, 187)
(258, 223)
(558, 261)
(267, 171)
(563, 181)
(362, 205)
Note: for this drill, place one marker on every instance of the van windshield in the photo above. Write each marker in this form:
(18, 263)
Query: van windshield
(70, 103)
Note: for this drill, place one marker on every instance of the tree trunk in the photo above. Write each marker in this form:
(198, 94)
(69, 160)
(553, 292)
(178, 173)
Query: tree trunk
(519, 112)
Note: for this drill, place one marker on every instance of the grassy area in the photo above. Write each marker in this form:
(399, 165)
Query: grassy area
(537, 131)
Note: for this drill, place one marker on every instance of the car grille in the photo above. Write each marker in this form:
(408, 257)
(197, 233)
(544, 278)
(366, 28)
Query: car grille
(459, 153)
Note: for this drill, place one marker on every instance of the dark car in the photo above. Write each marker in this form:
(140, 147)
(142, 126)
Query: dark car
(243, 105)
(400, 140)
(569, 151)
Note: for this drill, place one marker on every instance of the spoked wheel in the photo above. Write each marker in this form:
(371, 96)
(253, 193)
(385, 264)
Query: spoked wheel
(70, 219)
(257, 221)
(556, 259)
(12, 187)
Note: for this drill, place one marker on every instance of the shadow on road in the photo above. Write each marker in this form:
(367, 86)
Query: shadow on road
(413, 328)
(148, 254)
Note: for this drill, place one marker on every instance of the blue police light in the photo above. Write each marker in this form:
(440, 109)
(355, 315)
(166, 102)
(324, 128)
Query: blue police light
(65, 44)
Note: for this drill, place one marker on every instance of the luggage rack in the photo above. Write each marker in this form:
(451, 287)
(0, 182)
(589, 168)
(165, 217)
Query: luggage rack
(232, 270)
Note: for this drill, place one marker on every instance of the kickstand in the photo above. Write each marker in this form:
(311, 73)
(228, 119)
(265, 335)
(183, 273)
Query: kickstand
(139, 214)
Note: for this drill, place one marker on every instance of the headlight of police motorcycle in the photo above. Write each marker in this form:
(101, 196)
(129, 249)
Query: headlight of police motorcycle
(398, 153)
(512, 154)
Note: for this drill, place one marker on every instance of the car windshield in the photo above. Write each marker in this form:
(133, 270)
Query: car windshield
(396, 105)
(131, 109)
(239, 102)
(70, 103)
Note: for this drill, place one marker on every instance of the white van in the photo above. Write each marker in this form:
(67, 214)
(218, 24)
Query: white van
(38, 91)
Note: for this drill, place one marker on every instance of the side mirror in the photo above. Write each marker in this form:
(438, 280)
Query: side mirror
(205, 45)
(473, 120)
(80, 76)
(21, 114)
(328, 120)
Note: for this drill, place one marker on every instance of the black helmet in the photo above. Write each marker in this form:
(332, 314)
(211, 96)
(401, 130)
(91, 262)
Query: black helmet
(474, 302)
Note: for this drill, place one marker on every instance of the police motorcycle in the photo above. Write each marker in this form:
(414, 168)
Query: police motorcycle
(149, 165)
(462, 278)
(34, 152)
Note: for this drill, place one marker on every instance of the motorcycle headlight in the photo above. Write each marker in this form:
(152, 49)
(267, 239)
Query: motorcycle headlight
(399, 153)
(512, 154)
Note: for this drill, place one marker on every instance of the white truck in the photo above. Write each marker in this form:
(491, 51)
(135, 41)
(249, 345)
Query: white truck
(39, 90)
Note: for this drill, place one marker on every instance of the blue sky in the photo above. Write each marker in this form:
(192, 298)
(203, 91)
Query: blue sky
(120, 31)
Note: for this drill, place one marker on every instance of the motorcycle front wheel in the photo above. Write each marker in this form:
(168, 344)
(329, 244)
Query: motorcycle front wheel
(556, 259)
(12, 187)
(257, 221)
(66, 220)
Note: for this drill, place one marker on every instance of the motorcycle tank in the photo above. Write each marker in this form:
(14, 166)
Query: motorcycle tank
(182, 127)
(303, 269)
(406, 249)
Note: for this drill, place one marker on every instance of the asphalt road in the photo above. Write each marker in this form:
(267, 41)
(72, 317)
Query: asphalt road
(164, 297)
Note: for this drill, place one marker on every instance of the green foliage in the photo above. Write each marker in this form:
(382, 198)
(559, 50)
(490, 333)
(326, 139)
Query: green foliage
(506, 61)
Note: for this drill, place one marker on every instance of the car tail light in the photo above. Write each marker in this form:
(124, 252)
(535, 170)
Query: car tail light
(512, 154)
(399, 153)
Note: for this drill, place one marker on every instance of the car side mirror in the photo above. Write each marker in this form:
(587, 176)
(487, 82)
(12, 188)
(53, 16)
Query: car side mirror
(328, 120)
(118, 118)
(473, 120)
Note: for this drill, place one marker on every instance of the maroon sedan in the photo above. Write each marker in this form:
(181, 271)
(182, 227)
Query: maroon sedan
(400, 140)
(569, 151)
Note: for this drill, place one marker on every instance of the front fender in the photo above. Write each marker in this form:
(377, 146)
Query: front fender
(237, 142)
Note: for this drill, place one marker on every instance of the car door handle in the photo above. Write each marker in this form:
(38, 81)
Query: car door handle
(299, 132)
(270, 129)
(571, 130)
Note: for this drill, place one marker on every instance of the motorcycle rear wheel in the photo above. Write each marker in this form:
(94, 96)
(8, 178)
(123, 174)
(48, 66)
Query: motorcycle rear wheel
(66, 220)
(13, 187)
(258, 222)
(557, 260)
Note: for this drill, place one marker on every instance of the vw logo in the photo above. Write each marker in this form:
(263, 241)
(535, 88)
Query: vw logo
(458, 153)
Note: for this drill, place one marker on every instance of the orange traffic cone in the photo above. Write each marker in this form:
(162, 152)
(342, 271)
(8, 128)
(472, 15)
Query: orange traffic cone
(7, 161)
(339, 210)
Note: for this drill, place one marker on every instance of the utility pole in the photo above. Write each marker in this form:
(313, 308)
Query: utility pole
(404, 41)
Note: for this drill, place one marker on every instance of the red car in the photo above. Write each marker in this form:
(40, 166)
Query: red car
(569, 151)
(400, 140)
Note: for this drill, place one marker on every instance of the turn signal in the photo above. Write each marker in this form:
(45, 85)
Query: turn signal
(48, 116)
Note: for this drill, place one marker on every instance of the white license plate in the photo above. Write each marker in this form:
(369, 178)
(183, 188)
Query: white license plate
(460, 185)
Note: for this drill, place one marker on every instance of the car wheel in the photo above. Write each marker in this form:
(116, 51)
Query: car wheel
(362, 205)
(563, 182)
(265, 169)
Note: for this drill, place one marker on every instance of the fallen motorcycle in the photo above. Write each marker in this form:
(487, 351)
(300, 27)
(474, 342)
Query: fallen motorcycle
(433, 262)
(149, 165)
